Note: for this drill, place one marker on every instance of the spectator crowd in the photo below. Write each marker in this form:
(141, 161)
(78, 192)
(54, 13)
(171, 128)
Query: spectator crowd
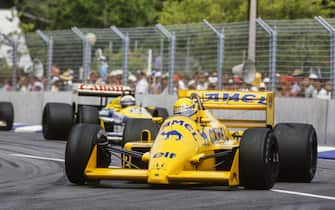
(296, 84)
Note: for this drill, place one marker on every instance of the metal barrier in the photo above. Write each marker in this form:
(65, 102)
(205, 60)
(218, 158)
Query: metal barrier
(220, 50)
(14, 44)
(282, 46)
(172, 44)
(50, 45)
(272, 51)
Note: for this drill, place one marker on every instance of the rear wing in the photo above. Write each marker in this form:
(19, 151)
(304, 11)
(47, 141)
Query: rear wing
(237, 100)
(104, 90)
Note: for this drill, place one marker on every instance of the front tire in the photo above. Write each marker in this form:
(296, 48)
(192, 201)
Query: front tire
(297, 151)
(6, 115)
(259, 161)
(78, 150)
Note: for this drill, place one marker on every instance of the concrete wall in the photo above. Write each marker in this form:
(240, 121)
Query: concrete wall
(28, 108)
(330, 129)
(313, 111)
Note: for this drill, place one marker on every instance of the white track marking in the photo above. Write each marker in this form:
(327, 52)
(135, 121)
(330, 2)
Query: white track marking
(28, 129)
(303, 194)
(273, 190)
(36, 157)
(325, 148)
(46, 158)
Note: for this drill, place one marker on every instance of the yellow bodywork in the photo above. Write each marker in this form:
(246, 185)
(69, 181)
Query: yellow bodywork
(115, 104)
(187, 150)
(130, 111)
(135, 111)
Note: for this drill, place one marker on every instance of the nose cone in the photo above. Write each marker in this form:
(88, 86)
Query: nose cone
(158, 169)
(161, 165)
(157, 176)
(174, 146)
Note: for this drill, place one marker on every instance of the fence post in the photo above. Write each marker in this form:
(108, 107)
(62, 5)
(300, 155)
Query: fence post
(86, 52)
(172, 44)
(331, 30)
(220, 51)
(49, 42)
(272, 51)
(125, 44)
(188, 52)
(135, 45)
(14, 63)
(161, 54)
(13, 44)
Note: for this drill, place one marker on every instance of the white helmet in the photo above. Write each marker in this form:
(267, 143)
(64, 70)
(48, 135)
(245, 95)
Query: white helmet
(127, 101)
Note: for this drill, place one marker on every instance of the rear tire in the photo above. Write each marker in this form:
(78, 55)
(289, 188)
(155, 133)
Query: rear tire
(6, 115)
(57, 121)
(134, 127)
(78, 150)
(258, 159)
(297, 151)
(88, 114)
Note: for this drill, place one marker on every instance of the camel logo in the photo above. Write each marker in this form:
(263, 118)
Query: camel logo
(172, 133)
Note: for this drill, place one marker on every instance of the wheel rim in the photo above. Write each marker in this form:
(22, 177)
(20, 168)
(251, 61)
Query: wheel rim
(274, 156)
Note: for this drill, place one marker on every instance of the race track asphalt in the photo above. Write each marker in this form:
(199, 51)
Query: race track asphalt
(32, 177)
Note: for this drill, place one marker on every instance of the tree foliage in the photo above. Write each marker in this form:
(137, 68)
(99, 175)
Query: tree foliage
(50, 14)
(195, 10)
(237, 10)
(328, 8)
(289, 9)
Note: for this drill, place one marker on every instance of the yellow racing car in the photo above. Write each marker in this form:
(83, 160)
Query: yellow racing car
(194, 146)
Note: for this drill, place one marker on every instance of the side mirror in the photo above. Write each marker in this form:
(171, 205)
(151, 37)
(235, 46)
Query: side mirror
(157, 119)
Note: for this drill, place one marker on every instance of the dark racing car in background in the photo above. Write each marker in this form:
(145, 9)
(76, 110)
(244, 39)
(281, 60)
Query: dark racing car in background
(112, 107)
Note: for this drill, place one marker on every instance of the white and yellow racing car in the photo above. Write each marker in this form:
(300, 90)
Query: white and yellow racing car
(112, 107)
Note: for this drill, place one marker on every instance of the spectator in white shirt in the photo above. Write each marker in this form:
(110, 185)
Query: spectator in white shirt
(309, 91)
(319, 91)
(142, 86)
(202, 83)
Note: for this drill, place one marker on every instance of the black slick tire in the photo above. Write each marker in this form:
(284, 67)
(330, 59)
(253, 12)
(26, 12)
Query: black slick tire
(57, 121)
(79, 147)
(6, 115)
(88, 114)
(258, 159)
(297, 151)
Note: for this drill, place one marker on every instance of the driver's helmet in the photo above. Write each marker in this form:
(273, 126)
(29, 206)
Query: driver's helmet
(126, 101)
(185, 107)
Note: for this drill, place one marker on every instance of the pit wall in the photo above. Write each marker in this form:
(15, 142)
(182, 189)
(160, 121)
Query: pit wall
(28, 108)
